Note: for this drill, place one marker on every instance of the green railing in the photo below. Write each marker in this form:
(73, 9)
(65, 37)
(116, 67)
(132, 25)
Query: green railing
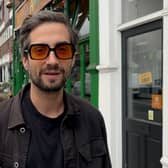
(84, 54)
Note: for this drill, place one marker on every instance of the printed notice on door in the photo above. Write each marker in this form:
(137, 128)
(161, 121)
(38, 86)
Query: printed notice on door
(145, 78)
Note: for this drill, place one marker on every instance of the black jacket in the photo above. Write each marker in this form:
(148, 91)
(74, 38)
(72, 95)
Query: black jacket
(83, 135)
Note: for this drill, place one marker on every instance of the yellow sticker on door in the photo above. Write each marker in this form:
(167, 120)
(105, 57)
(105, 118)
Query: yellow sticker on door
(150, 115)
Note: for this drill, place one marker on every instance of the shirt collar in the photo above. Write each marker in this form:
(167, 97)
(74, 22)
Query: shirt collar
(16, 114)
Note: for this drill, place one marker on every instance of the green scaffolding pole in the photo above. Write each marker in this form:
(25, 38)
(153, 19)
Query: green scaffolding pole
(94, 50)
(73, 21)
(82, 69)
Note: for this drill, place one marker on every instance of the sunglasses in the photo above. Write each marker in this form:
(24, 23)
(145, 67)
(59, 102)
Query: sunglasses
(41, 51)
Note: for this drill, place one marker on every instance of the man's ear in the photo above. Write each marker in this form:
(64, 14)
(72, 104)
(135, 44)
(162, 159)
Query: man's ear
(25, 63)
(73, 60)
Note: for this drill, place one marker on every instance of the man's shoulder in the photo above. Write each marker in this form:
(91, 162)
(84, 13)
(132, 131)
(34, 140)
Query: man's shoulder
(5, 107)
(83, 104)
(87, 110)
(5, 103)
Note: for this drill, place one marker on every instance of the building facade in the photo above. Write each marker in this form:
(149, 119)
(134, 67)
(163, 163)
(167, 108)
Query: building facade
(5, 46)
(133, 83)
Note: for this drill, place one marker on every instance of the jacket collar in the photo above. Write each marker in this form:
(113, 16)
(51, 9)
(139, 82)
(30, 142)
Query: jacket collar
(16, 115)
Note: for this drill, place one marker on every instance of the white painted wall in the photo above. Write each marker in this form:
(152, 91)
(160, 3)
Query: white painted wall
(110, 76)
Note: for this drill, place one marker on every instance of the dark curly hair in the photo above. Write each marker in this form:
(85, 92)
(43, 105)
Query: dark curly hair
(43, 16)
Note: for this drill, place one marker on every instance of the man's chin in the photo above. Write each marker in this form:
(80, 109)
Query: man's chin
(49, 86)
(51, 89)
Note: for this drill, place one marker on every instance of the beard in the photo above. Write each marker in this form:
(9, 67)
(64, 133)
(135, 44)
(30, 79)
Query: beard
(54, 85)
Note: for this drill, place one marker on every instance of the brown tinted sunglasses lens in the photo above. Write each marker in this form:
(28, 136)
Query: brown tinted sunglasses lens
(39, 51)
(64, 51)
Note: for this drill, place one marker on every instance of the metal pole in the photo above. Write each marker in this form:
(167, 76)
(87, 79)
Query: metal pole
(94, 50)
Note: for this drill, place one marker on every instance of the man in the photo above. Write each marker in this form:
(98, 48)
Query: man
(43, 126)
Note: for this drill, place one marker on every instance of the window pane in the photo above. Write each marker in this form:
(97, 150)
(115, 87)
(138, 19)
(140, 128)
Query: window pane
(133, 9)
(144, 90)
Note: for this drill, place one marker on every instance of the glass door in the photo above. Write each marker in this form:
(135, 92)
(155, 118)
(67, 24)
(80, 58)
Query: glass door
(142, 96)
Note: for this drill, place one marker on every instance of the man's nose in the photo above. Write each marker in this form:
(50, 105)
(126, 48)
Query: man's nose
(52, 58)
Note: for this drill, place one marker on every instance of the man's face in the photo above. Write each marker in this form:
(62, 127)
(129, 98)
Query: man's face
(49, 74)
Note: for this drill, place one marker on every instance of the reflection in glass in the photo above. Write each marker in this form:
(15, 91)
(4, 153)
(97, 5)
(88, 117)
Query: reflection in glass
(145, 75)
(133, 9)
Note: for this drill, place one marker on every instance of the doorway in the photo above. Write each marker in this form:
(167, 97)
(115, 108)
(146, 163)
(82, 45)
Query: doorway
(142, 96)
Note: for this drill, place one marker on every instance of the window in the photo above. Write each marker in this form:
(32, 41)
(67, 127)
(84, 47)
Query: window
(133, 9)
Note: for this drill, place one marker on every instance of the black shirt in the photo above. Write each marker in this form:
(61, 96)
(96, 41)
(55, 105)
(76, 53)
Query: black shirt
(45, 148)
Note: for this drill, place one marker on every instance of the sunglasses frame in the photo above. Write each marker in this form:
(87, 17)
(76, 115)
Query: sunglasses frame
(28, 51)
